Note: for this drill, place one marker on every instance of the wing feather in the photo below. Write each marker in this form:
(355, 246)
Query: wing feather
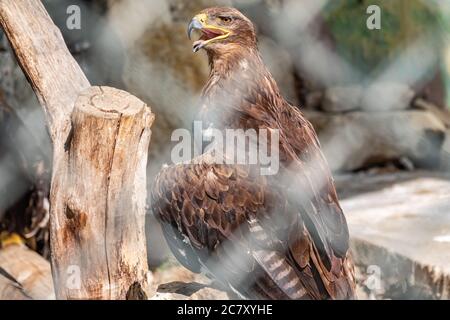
(280, 237)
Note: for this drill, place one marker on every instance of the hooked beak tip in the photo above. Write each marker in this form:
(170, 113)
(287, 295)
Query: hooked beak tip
(193, 25)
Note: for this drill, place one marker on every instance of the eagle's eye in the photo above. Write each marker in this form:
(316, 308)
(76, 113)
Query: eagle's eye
(225, 19)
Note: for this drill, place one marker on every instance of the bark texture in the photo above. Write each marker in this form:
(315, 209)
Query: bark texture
(100, 228)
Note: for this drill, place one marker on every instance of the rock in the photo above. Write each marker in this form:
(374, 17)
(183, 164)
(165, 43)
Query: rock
(386, 96)
(188, 291)
(183, 11)
(280, 64)
(314, 100)
(445, 154)
(173, 282)
(399, 226)
(379, 96)
(425, 105)
(355, 140)
(342, 99)
(131, 18)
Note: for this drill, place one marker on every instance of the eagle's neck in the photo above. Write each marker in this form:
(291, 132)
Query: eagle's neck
(225, 62)
(239, 85)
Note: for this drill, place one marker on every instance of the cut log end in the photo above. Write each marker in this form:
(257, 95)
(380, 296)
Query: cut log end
(107, 102)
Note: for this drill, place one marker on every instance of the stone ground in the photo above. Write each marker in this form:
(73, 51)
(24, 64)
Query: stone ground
(174, 282)
(400, 227)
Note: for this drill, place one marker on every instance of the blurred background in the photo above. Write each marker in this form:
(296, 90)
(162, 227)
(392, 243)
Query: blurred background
(379, 99)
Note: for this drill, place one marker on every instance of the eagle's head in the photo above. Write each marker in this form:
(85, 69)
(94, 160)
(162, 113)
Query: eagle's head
(222, 29)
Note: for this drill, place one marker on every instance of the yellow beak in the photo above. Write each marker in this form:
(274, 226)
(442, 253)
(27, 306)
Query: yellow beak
(200, 22)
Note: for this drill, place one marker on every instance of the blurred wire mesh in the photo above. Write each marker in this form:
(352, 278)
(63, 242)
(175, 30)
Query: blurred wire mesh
(379, 99)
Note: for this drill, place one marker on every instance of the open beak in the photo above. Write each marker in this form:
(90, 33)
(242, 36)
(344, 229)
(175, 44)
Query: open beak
(209, 33)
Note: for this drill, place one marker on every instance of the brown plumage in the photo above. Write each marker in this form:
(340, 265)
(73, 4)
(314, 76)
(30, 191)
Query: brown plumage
(280, 236)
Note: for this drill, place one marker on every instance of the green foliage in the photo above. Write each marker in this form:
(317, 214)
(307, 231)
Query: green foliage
(444, 21)
(402, 22)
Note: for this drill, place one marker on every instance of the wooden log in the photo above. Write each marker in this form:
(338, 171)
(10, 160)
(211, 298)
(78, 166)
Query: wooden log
(101, 226)
(57, 81)
(24, 275)
(98, 187)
